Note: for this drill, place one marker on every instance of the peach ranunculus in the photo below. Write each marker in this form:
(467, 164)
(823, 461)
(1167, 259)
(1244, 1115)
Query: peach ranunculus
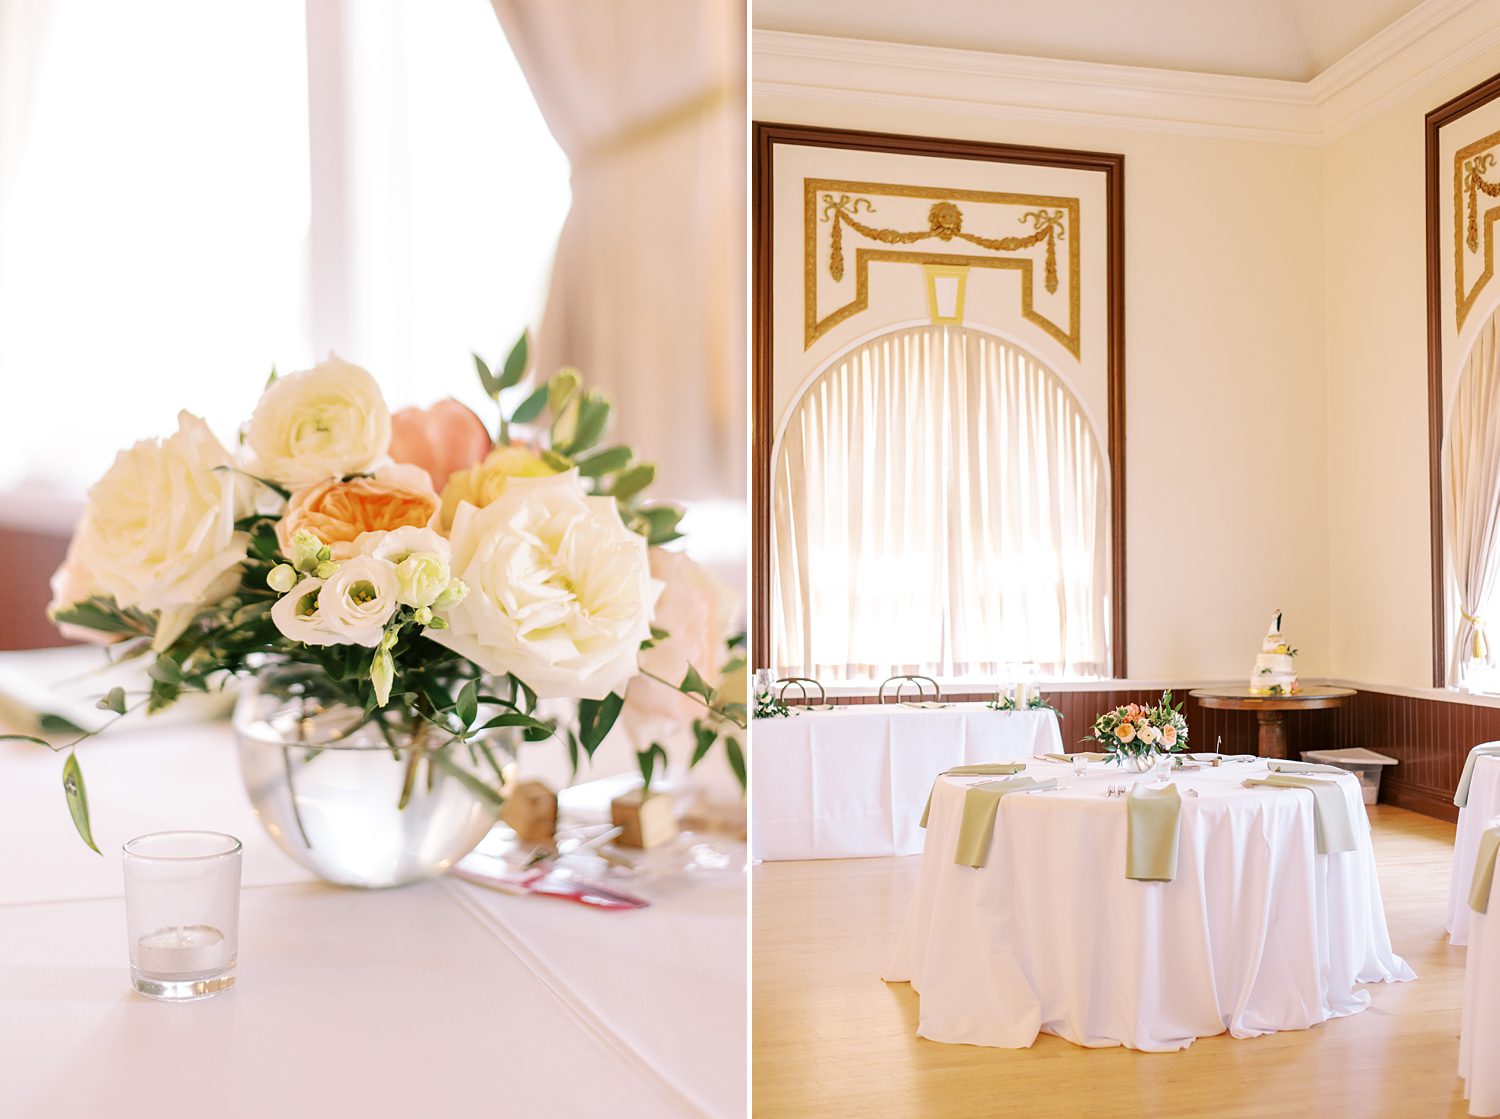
(1125, 732)
(1133, 711)
(484, 482)
(441, 439)
(696, 610)
(339, 513)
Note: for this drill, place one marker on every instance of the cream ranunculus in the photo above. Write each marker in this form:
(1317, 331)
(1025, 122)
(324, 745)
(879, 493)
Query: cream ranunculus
(559, 590)
(158, 531)
(1148, 734)
(350, 607)
(483, 482)
(322, 423)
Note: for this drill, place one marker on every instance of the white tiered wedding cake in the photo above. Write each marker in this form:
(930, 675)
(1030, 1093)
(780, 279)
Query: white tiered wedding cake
(1275, 672)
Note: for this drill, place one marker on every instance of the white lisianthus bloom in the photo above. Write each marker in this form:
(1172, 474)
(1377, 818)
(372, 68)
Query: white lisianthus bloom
(322, 423)
(421, 557)
(559, 590)
(158, 531)
(350, 607)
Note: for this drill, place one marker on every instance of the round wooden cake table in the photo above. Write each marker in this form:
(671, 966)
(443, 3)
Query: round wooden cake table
(1271, 710)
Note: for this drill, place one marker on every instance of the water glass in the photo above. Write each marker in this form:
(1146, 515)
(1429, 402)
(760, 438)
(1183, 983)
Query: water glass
(1164, 768)
(182, 913)
(1080, 765)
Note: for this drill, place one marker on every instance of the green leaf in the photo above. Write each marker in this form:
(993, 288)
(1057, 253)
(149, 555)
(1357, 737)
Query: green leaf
(595, 718)
(78, 801)
(706, 736)
(56, 724)
(516, 720)
(486, 378)
(467, 704)
(560, 463)
(271, 380)
(593, 415)
(604, 462)
(694, 684)
(647, 760)
(530, 408)
(100, 614)
(560, 389)
(736, 758)
(660, 522)
(25, 738)
(631, 482)
(164, 670)
(572, 741)
(515, 362)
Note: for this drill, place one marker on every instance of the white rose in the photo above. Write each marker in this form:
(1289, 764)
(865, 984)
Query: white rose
(322, 423)
(559, 590)
(158, 531)
(350, 607)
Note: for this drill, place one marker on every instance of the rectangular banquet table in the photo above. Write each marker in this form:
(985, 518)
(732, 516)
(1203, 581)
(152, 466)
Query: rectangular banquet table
(1256, 933)
(441, 998)
(852, 782)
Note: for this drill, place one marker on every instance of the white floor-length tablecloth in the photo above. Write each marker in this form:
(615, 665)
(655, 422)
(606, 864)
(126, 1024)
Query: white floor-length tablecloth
(1479, 1040)
(1483, 806)
(1256, 933)
(852, 782)
(441, 998)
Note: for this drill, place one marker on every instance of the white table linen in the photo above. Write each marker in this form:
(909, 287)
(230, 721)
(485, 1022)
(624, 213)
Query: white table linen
(1479, 1039)
(852, 782)
(1256, 933)
(442, 997)
(1483, 806)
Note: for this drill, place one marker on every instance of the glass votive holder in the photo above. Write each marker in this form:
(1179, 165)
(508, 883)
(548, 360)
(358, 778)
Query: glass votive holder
(182, 913)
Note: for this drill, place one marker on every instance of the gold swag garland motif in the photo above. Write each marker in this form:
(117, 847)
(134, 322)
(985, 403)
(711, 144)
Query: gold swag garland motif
(1050, 223)
(1469, 166)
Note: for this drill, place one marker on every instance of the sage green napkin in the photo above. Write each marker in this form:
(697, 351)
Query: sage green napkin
(1484, 870)
(1483, 750)
(981, 802)
(1152, 814)
(1335, 831)
(983, 769)
(1304, 767)
(1092, 756)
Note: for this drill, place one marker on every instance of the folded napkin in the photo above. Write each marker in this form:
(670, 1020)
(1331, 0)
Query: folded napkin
(983, 769)
(1335, 831)
(1210, 756)
(1152, 813)
(981, 802)
(1092, 756)
(1484, 870)
(1483, 750)
(1303, 767)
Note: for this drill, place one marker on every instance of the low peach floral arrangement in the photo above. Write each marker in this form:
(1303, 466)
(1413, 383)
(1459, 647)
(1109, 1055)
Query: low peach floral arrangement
(1137, 731)
(422, 571)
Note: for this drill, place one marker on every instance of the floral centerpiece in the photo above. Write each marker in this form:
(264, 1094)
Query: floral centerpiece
(401, 586)
(1134, 735)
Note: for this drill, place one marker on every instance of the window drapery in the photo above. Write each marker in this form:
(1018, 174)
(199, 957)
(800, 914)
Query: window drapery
(940, 505)
(1471, 469)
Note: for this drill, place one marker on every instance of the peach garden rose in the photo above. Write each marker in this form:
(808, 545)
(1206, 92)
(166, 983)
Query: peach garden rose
(339, 513)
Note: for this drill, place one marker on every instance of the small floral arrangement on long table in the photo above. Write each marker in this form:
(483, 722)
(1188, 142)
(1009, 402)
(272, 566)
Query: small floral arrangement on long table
(433, 581)
(1134, 735)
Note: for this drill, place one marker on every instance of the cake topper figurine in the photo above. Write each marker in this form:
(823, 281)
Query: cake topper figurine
(1275, 630)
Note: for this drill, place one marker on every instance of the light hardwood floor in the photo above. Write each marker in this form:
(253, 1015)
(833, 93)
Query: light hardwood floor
(831, 1039)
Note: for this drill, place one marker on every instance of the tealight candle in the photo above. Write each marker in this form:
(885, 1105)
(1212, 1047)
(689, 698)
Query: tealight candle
(182, 911)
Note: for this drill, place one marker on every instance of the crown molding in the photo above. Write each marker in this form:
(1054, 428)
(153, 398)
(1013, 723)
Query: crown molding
(1421, 47)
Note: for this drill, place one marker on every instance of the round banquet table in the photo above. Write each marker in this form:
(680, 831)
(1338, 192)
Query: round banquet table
(852, 782)
(1270, 710)
(1483, 806)
(1256, 933)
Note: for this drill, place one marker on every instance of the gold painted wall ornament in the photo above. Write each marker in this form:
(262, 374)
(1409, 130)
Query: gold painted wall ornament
(839, 204)
(1470, 163)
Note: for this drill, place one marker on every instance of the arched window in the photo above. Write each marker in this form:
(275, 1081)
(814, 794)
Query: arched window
(940, 505)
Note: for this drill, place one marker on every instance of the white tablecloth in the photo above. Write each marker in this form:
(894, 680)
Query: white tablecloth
(440, 998)
(852, 782)
(1484, 805)
(1479, 1040)
(1256, 933)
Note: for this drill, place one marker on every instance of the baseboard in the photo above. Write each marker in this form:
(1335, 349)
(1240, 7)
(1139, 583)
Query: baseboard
(1437, 803)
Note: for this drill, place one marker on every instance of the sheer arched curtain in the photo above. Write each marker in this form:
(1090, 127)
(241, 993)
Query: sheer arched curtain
(1471, 482)
(941, 505)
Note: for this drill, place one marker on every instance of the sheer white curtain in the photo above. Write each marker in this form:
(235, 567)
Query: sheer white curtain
(1472, 486)
(940, 505)
(647, 299)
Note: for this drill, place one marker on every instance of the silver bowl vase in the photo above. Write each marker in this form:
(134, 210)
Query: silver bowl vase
(356, 806)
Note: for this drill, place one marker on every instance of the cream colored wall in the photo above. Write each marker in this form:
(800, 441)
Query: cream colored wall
(1226, 400)
(1380, 590)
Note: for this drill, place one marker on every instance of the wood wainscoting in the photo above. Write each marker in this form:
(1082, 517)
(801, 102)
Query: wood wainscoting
(1429, 737)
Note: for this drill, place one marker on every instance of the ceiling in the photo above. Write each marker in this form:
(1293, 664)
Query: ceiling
(1290, 39)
